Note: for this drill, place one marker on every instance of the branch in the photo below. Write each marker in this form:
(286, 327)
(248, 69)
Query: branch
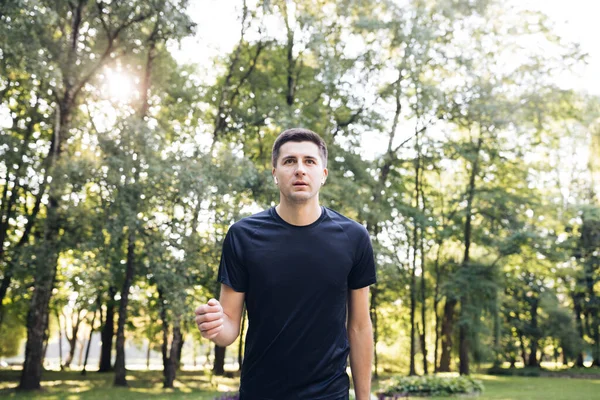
(109, 48)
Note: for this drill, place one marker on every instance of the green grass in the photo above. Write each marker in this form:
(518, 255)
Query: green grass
(200, 386)
(71, 385)
(538, 388)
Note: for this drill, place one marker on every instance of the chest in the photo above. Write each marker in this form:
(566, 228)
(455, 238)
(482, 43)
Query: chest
(288, 260)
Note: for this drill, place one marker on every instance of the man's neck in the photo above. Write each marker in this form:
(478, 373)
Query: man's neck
(299, 214)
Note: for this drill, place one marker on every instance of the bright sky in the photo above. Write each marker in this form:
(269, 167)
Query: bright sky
(218, 32)
(576, 21)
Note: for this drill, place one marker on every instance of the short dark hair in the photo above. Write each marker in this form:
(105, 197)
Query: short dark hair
(299, 135)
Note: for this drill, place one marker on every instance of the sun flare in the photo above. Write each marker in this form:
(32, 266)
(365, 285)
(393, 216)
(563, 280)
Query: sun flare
(119, 86)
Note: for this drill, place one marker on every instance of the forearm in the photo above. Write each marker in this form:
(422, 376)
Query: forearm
(361, 359)
(228, 334)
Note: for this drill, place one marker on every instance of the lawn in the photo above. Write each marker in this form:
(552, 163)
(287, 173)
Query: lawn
(142, 385)
(200, 386)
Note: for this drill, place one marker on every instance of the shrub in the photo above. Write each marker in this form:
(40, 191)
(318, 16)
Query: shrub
(431, 386)
(526, 371)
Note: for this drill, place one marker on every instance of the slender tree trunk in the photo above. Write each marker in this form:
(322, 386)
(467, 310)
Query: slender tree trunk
(523, 349)
(195, 354)
(291, 61)
(107, 333)
(174, 355)
(423, 305)
(241, 346)
(447, 335)
(436, 302)
(168, 371)
(374, 320)
(413, 300)
(46, 339)
(89, 343)
(421, 238)
(148, 355)
(219, 364)
(120, 371)
(82, 345)
(179, 348)
(72, 340)
(579, 359)
(60, 341)
(497, 350)
(464, 334)
(413, 276)
(533, 361)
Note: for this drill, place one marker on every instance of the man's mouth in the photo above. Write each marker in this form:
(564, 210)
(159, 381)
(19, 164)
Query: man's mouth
(300, 184)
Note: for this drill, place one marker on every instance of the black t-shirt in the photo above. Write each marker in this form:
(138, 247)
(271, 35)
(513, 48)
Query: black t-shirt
(296, 280)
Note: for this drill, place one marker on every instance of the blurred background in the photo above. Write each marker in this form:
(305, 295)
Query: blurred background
(464, 134)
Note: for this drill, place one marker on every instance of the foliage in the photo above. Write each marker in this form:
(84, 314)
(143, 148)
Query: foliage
(432, 386)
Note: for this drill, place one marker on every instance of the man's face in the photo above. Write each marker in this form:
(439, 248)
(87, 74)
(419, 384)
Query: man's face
(299, 171)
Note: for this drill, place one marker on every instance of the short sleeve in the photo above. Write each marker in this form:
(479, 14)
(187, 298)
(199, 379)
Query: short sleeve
(363, 271)
(232, 272)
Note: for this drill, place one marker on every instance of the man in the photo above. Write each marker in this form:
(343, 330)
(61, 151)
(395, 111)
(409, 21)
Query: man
(299, 267)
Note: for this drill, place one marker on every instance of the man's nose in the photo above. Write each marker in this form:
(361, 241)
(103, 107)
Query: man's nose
(300, 169)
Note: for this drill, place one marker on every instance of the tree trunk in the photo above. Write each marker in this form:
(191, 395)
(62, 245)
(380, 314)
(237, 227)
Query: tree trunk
(596, 338)
(72, 339)
(82, 345)
(148, 354)
(89, 343)
(436, 302)
(179, 349)
(219, 364)
(37, 317)
(413, 299)
(497, 349)
(241, 346)
(107, 333)
(47, 260)
(374, 320)
(175, 354)
(464, 334)
(60, 341)
(120, 371)
(447, 335)
(523, 349)
(420, 235)
(533, 361)
(463, 348)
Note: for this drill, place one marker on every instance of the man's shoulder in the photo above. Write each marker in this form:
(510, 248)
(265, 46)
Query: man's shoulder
(251, 222)
(350, 226)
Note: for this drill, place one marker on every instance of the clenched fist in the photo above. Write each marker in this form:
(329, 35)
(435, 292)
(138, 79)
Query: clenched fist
(209, 318)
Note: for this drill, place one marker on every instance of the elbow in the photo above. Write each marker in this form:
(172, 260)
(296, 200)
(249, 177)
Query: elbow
(360, 329)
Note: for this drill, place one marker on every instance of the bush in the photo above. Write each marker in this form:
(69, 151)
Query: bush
(526, 371)
(432, 386)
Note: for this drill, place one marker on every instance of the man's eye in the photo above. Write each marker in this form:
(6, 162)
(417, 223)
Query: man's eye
(310, 161)
(288, 161)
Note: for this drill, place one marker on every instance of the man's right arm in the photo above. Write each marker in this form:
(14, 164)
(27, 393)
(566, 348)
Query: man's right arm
(220, 320)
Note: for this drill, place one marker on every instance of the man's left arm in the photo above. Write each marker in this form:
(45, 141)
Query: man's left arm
(360, 335)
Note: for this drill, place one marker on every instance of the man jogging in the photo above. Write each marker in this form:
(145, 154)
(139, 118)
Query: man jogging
(304, 272)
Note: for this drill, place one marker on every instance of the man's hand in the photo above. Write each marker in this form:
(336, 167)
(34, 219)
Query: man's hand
(209, 318)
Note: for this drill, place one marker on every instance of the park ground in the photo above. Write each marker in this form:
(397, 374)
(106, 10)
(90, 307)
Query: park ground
(198, 385)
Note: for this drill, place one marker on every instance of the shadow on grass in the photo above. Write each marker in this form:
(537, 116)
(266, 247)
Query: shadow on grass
(72, 385)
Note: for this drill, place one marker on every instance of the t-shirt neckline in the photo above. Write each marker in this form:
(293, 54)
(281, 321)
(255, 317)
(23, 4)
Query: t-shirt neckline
(278, 218)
